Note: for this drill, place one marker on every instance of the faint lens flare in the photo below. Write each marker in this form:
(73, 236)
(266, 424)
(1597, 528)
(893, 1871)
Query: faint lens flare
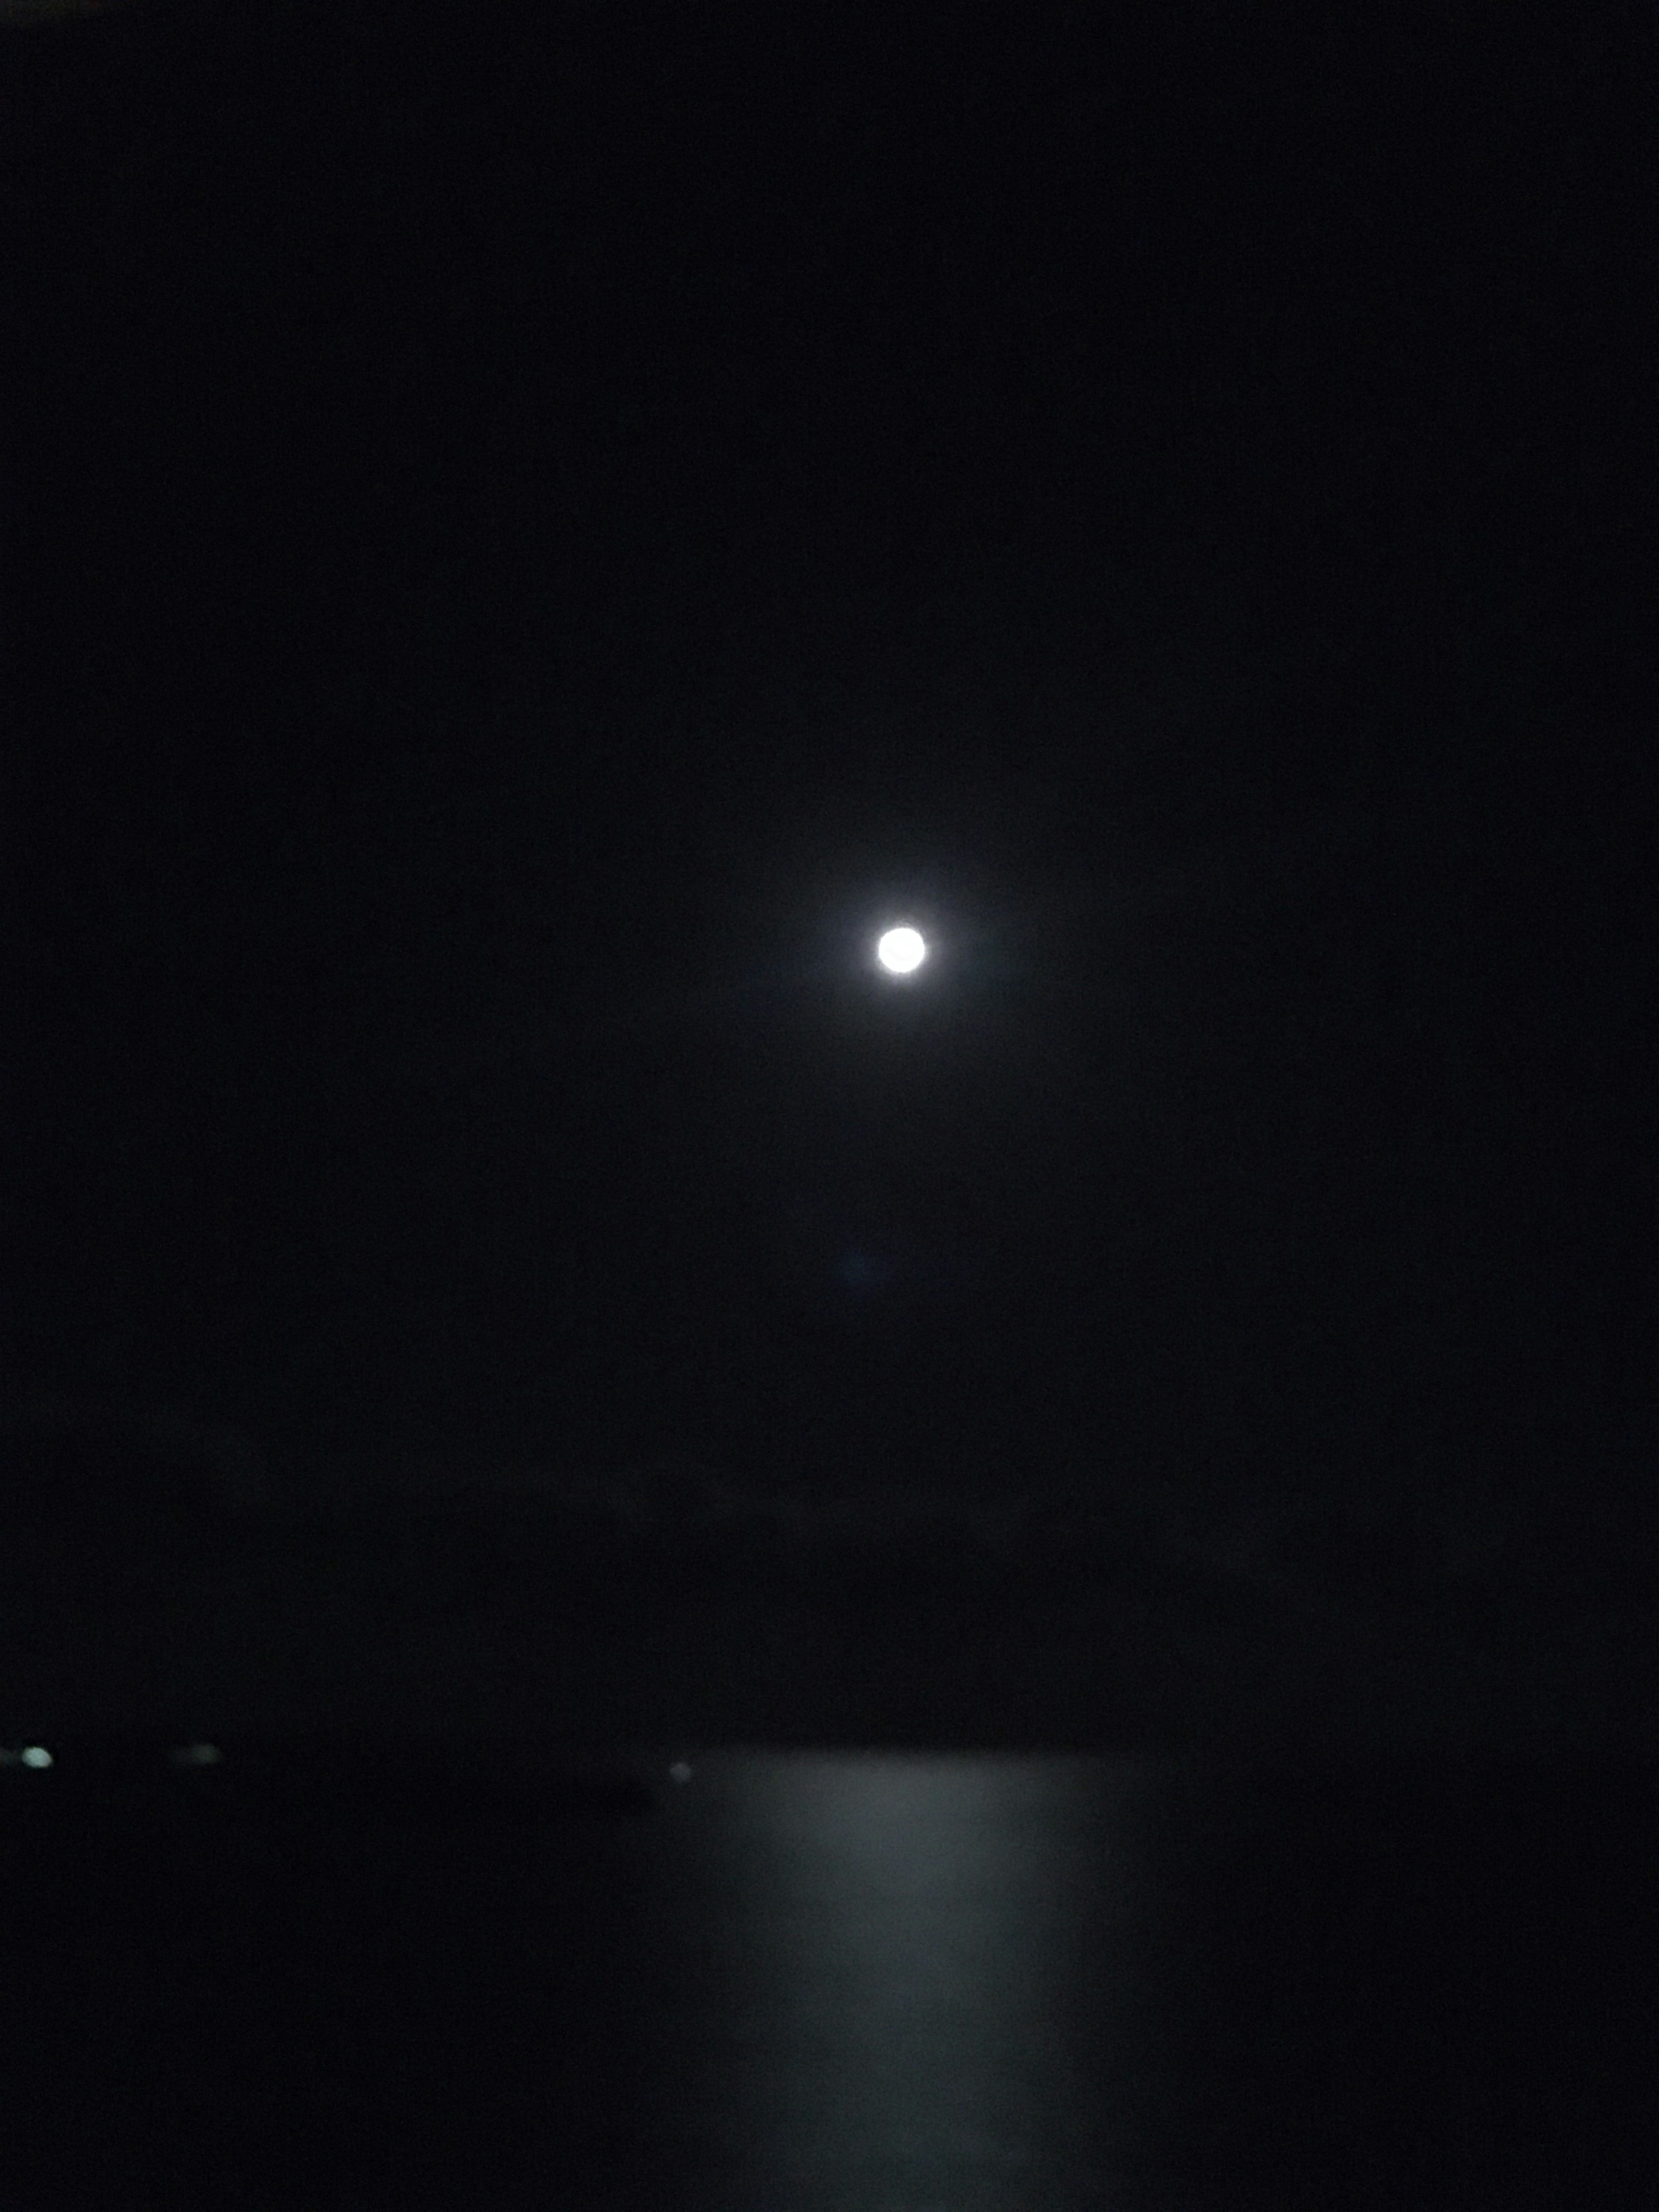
(865, 1271)
(902, 951)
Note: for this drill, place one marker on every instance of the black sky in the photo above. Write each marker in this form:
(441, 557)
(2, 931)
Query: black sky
(526, 533)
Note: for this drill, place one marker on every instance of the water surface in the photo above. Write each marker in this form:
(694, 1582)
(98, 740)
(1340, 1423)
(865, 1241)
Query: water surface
(898, 1981)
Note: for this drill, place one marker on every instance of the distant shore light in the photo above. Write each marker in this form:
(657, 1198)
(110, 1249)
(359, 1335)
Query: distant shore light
(900, 951)
(196, 1755)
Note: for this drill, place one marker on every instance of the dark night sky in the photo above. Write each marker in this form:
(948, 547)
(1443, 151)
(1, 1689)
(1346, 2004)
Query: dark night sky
(526, 532)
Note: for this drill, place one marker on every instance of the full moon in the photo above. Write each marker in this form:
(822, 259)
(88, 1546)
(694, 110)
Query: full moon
(900, 951)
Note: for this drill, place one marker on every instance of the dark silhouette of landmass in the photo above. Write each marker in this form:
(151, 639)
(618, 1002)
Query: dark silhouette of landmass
(143, 1589)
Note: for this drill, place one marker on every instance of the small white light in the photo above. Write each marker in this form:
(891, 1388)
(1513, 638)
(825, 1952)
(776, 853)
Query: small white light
(36, 1754)
(902, 951)
(196, 1755)
(679, 1772)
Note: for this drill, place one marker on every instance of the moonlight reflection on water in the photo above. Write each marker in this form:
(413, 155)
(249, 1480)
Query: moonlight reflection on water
(928, 1943)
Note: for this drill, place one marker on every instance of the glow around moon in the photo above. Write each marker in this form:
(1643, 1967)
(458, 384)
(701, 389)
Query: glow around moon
(900, 951)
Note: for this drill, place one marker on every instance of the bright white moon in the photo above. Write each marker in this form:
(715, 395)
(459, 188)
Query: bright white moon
(902, 949)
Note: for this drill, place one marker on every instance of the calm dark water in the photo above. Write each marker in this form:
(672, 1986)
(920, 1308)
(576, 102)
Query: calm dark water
(896, 1982)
